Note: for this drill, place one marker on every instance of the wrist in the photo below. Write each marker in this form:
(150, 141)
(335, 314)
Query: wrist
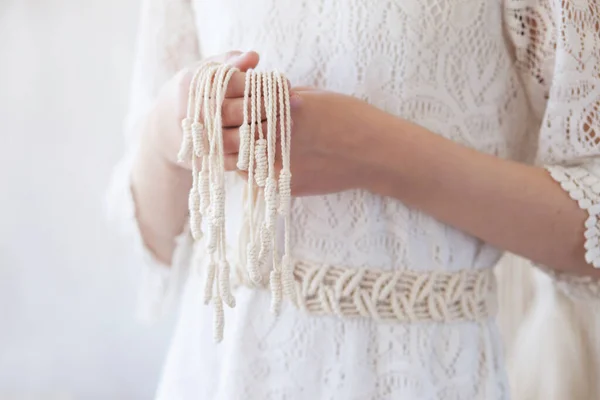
(159, 188)
(387, 155)
(154, 165)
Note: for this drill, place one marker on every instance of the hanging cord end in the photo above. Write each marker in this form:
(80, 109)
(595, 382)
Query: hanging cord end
(266, 239)
(225, 284)
(287, 271)
(210, 281)
(219, 322)
(244, 151)
(271, 202)
(198, 139)
(275, 283)
(195, 216)
(253, 265)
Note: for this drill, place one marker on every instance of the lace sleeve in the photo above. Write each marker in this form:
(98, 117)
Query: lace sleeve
(166, 42)
(557, 48)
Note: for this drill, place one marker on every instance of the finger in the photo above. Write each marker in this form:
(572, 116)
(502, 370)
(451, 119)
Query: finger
(233, 112)
(240, 60)
(231, 140)
(236, 86)
(244, 61)
(237, 83)
(227, 57)
(230, 57)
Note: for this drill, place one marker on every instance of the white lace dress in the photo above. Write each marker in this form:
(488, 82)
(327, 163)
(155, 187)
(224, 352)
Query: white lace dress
(516, 78)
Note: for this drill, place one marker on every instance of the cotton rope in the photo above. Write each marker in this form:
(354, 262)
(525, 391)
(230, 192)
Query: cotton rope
(202, 147)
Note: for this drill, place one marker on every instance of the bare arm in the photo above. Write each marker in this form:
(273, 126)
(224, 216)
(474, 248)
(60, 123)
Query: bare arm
(513, 206)
(159, 189)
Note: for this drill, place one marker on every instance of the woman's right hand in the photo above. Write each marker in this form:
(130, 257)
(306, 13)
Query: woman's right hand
(160, 185)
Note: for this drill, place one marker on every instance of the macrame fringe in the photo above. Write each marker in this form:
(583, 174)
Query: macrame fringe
(202, 146)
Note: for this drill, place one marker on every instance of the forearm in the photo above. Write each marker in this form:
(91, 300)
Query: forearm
(510, 205)
(160, 191)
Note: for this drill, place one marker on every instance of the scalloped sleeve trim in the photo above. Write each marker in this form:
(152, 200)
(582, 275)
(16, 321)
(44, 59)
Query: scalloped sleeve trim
(583, 186)
(582, 183)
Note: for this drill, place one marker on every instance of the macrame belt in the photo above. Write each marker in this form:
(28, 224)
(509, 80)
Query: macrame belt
(394, 296)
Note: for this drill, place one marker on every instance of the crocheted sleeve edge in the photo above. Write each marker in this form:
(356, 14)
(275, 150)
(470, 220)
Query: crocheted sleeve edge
(582, 183)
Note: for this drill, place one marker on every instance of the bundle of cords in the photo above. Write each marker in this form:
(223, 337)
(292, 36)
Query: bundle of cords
(202, 146)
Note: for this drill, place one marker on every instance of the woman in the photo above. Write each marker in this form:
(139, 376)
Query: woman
(428, 134)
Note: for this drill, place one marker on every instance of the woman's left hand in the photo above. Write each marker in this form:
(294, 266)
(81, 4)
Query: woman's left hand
(331, 134)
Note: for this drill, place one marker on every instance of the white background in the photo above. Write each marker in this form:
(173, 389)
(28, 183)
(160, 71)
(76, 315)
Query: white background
(66, 285)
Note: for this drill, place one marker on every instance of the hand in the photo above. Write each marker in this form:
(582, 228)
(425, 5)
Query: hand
(331, 138)
(163, 139)
(159, 184)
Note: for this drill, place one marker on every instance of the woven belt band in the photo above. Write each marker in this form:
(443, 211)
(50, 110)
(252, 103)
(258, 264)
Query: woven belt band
(401, 295)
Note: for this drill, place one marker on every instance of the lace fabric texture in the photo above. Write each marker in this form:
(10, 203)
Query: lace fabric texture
(517, 79)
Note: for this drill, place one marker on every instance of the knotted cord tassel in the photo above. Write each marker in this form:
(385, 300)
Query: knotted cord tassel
(253, 264)
(271, 202)
(224, 282)
(210, 281)
(218, 211)
(275, 283)
(266, 242)
(244, 151)
(204, 187)
(198, 139)
(261, 162)
(195, 217)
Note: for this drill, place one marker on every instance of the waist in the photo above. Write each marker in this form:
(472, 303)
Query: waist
(403, 296)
